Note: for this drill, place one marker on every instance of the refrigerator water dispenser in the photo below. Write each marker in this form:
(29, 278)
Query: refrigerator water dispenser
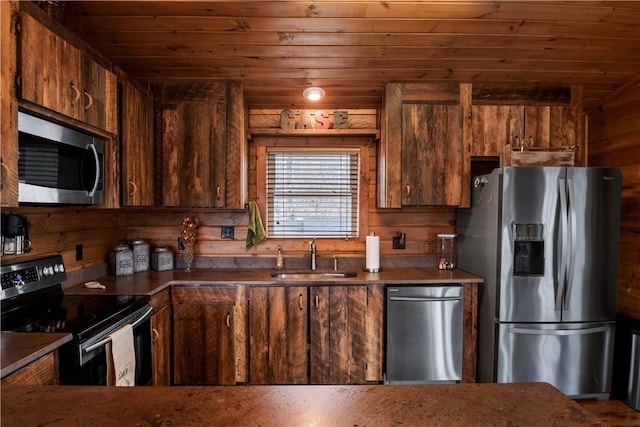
(528, 250)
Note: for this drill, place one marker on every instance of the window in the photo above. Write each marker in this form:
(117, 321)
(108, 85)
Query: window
(312, 193)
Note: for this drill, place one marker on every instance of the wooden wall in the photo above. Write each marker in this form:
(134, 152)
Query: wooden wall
(61, 230)
(614, 141)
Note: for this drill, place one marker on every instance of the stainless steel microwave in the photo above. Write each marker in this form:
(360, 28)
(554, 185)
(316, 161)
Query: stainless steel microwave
(57, 164)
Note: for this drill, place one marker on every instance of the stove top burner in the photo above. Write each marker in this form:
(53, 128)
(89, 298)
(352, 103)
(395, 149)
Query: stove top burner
(41, 306)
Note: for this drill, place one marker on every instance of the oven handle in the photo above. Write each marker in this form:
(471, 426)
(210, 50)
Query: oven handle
(108, 339)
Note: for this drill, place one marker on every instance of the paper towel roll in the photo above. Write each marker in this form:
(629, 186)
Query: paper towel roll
(373, 253)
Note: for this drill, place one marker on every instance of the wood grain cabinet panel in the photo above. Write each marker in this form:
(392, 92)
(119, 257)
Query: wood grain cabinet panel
(343, 334)
(534, 127)
(162, 339)
(278, 335)
(203, 146)
(60, 77)
(432, 155)
(136, 141)
(8, 107)
(43, 371)
(204, 336)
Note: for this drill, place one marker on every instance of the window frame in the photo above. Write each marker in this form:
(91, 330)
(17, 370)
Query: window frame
(363, 144)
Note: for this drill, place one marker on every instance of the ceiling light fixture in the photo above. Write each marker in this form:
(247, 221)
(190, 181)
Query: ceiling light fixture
(313, 93)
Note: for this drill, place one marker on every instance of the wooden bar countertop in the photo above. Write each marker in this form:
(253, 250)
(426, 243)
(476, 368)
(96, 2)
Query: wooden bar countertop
(530, 404)
(18, 349)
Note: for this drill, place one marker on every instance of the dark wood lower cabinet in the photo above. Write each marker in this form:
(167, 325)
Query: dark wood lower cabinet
(161, 345)
(204, 335)
(338, 335)
(316, 335)
(278, 335)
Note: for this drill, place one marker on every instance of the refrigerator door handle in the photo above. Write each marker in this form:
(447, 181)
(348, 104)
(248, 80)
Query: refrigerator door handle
(572, 220)
(562, 244)
(425, 299)
(556, 332)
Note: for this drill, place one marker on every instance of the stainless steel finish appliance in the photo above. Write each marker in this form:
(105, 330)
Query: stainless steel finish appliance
(424, 334)
(545, 241)
(57, 164)
(33, 301)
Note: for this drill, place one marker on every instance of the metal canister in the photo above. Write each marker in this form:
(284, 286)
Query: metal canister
(140, 255)
(121, 260)
(162, 259)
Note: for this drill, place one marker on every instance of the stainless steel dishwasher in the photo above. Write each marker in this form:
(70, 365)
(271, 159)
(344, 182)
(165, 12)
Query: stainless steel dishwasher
(424, 334)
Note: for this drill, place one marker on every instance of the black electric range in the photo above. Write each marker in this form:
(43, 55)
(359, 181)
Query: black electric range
(32, 300)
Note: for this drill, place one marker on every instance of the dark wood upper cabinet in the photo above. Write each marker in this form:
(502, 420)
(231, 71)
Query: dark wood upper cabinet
(422, 158)
(532, 127)
(432, 155)
(136, 145)
(58, 76)
(203, 145)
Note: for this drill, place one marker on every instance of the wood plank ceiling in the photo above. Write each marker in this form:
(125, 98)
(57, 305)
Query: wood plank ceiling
(277, 48)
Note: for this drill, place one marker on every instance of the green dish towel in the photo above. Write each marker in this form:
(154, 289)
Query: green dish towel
(255, 230)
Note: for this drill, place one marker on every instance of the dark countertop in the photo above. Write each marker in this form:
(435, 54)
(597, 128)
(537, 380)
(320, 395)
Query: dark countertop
(151, 282)
(294, 405)
(18, 349)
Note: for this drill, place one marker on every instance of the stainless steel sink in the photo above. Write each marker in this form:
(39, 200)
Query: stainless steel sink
(310, 274)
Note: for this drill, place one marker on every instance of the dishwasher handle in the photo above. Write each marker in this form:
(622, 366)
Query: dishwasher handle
(425, 299)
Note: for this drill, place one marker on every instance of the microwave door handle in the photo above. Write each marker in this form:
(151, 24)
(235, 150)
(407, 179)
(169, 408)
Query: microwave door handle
(108, 339)
(97, 179)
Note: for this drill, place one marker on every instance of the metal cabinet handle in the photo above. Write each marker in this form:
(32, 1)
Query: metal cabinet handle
(408, 188)
(219, 192)
(317, 302)
(89, 101)
(76, 93)
(301, 302)
(134, 188)
(228, 321)
(154, 335)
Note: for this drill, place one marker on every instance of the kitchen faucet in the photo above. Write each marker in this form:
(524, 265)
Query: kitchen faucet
(312, 249)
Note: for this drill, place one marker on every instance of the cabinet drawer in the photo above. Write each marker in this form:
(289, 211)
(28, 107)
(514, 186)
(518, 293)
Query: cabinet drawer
(204, 294)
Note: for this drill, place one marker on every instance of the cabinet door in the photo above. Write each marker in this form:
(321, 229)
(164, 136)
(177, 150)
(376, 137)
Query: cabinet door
(494, 126)
(338, 335)
(432, 155)
(49, 68)
(56, 75)
(550, 126)
(161, 346)
(136, 139)
(8, 107)
(194, 154)
(98, 103)
(203, 341)
(278, 335)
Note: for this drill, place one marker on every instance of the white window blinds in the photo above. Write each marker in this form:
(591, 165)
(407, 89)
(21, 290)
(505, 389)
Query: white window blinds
(312, 193)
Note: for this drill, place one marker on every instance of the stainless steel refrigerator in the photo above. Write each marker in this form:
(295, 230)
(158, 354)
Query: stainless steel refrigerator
(545, 240)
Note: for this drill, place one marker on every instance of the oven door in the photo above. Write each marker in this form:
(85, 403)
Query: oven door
(85, 363)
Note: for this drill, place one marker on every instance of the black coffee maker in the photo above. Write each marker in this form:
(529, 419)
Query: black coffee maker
(15, 234)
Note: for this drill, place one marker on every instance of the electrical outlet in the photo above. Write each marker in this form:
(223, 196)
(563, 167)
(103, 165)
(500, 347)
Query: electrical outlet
(399, 241)
(227, 232)
(79, 254)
